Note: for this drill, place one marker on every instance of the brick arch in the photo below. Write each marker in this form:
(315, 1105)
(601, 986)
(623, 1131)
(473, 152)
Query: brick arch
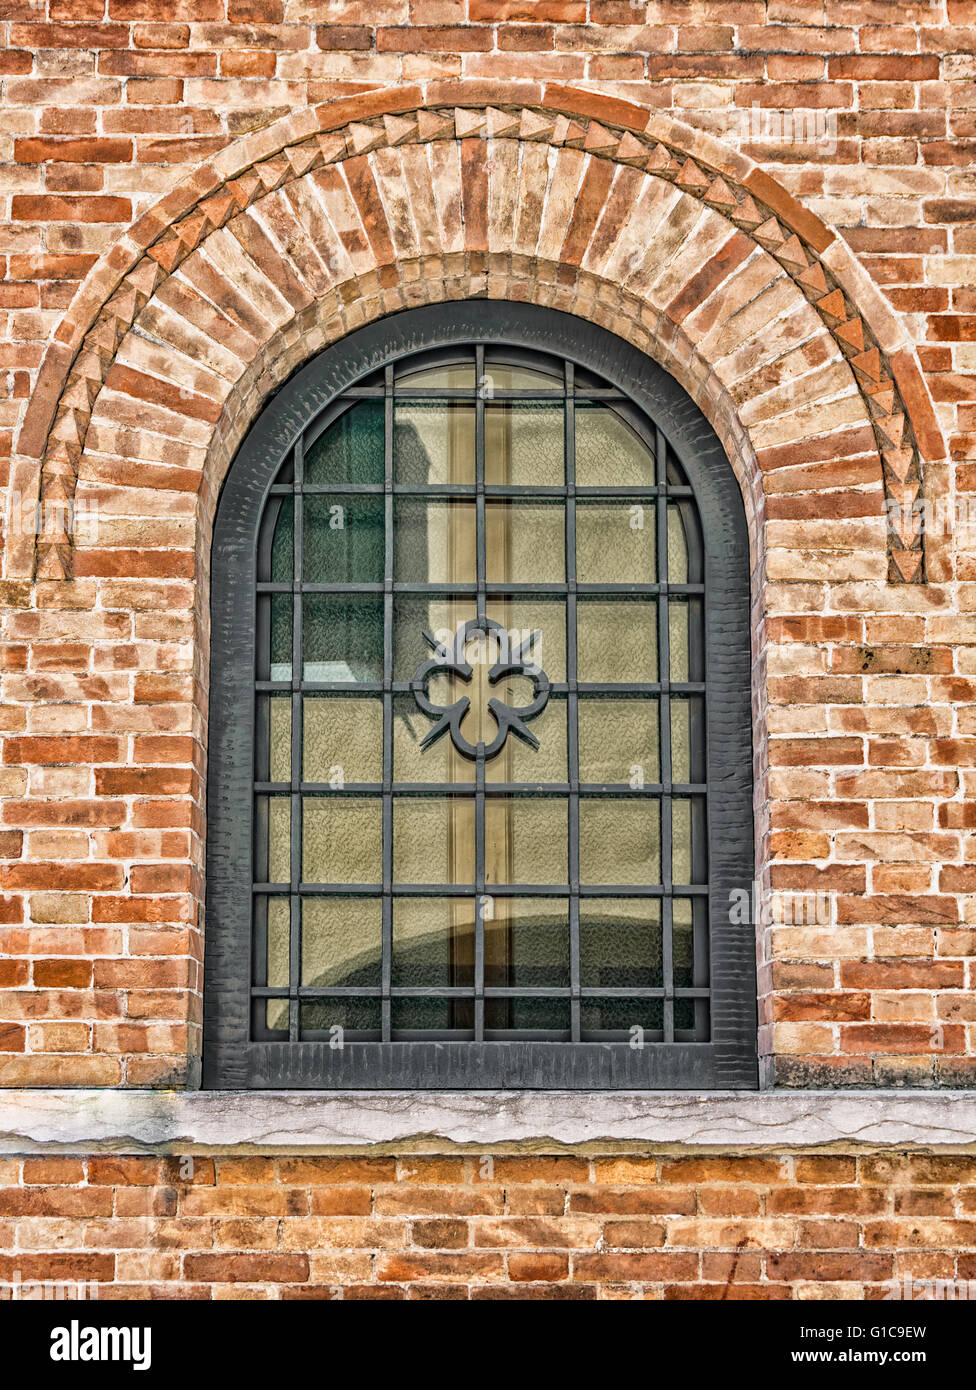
(338, 214)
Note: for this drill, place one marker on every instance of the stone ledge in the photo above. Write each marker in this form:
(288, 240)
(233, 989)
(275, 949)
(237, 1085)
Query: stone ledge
(169, 1122)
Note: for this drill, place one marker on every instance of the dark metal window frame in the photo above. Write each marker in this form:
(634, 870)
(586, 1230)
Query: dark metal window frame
(728, 1059)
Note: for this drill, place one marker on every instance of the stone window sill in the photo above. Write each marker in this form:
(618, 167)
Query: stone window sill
(181, 1122)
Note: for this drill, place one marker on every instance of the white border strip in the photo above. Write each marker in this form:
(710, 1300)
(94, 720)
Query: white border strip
(137, 1121)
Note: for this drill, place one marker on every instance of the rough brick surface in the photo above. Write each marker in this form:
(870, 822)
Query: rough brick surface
(781, 1227)
(196, 196)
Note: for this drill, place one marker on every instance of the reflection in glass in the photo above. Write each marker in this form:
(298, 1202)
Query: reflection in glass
(342, 637)
(525, 840)
(341, 941)
(620, 943)
(454, 376)
(524, 444)
(343, 540)
(434, 542)
(433, 839)
(350, 450)
(621, 1015)
(525, 543)
(433, 442)
(278, 956)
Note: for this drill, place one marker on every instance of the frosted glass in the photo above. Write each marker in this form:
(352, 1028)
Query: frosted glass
(620, 841)
(615, 543)
(525, 543)
(433, 442)
(618, 741)
(351, 449)
(342, 839)
(342, 739)
(608, 452)
(620, 943)
(525, 444)
(617, 641)
(342, 941)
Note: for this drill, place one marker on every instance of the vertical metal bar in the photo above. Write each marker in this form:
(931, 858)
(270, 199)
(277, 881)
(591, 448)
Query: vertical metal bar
(297, 671)
(387, 922)
(479, 476)
(572, 710)
(664, 736)
(479, 802)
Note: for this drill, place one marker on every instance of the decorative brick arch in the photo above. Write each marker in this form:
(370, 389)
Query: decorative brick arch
(339, 214)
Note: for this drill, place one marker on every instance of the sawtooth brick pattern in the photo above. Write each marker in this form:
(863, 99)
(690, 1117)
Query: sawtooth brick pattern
(723, 1226)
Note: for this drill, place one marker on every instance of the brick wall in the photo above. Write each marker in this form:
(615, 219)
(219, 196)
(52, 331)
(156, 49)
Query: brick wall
(717, 1227)
(343, 161)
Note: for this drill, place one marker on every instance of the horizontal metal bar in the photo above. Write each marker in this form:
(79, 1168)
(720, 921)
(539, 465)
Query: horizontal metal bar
(496, 890)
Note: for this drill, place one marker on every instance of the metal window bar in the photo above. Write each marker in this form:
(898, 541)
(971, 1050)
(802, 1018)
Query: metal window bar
(665, 489)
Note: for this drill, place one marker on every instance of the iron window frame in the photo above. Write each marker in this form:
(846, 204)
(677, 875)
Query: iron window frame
(231, 1059)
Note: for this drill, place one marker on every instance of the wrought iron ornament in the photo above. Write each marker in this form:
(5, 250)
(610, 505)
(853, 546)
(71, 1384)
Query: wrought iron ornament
(453, 661)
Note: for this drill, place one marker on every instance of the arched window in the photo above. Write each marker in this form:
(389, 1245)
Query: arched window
(480, 736)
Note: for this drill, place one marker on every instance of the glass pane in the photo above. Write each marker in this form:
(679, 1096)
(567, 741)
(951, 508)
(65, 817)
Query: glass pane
(684, 625)
(342, 740)
(413, 616)
(504, 376)
(688, 840)
(433, 943)
(687, 739)
(342, 941)
(273, 744)
(519, 761)
(609, 453)
(525, 444)
(274, 848)
(525, 840)
(525, 543)
(343, 637)
(620, 943)
(621, 1015)
(677, 548)
(433, 442)
(434, 542)
(615, 543)
(282, 637)
(278, 955)
(617, 640)
(351, 449)
(282, 567)
(433, 839)
(620, 841)
(438, 762)
(279, 938)
(343, 540)
(457, 376)
(618, 741)
(356, 1016)
(521, 617)
(527, 1015)
(342, 839)
(683, 936)
(526, 942)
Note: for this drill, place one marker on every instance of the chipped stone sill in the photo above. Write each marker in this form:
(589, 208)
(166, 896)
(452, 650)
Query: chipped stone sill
(185, 1122)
